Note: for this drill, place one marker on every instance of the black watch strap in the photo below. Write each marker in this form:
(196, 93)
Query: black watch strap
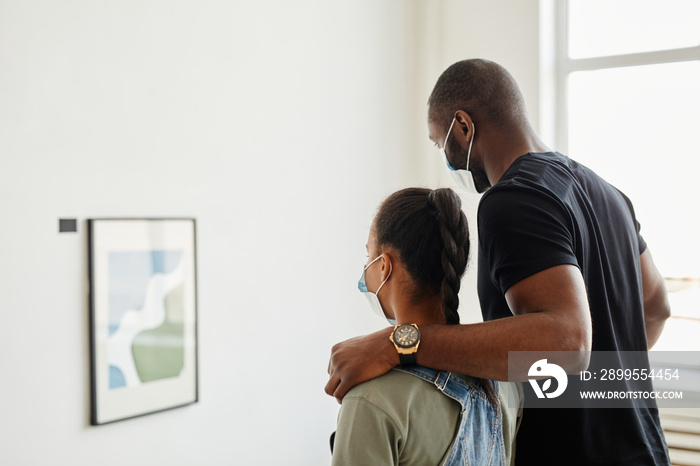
(408, 359)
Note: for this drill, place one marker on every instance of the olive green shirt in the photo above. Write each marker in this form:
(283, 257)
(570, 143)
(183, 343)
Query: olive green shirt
(401, 419)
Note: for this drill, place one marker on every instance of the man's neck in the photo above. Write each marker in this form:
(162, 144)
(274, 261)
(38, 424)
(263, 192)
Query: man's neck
(505, 150)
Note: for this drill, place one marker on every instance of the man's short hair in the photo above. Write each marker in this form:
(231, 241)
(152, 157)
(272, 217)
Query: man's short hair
(482, 88)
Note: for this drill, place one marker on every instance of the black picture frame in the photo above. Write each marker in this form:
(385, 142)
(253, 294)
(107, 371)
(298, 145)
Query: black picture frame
(143, 316)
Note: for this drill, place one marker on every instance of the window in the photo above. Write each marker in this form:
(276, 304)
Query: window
(628, 106)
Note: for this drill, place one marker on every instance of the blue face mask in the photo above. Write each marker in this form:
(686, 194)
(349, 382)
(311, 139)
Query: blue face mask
(372, 298)
(462, 178)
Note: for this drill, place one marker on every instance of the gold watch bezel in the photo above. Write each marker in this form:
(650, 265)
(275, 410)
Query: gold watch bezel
(406, 350)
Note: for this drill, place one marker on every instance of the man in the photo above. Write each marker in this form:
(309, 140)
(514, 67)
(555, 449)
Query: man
(562, 267)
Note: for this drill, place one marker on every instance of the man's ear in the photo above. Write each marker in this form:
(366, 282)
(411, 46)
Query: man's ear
(463, 128)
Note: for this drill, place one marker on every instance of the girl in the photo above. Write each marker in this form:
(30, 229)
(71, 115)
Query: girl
(418, 250)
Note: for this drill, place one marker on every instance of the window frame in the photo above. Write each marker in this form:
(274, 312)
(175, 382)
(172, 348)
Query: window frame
(564, 66)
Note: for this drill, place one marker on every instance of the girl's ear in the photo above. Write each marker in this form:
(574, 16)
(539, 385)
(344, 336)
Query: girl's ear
(387, 264)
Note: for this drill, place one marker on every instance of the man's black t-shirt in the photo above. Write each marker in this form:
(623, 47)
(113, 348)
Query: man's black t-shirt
(548, 210)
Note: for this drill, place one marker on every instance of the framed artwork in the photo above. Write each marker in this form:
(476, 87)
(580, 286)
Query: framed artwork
(143, 316)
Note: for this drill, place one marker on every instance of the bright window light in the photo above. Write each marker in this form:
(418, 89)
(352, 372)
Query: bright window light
(603, 27)
(637, 127)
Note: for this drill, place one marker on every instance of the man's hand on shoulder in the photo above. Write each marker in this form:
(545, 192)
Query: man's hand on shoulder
(360, 359)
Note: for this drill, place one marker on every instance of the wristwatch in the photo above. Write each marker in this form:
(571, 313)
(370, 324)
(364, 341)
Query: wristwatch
(406, 338)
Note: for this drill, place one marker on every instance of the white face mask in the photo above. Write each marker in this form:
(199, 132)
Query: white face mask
(372, 298)
(462, 178)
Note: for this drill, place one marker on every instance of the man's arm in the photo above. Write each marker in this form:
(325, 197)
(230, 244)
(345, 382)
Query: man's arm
(656, 307)
(551, 313)
(360, 359)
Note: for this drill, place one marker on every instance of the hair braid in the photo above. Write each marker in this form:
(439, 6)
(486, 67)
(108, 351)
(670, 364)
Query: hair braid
(455, 252)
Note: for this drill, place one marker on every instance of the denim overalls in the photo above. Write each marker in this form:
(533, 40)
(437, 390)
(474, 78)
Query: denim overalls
(479, 441)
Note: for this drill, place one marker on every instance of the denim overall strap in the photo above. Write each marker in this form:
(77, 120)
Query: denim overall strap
(479, 440)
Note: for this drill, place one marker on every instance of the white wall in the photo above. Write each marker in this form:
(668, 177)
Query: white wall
(280, 126)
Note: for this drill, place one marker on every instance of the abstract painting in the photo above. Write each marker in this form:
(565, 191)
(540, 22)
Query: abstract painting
(142, 317)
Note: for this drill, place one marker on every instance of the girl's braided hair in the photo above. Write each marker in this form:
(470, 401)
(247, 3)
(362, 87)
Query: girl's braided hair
(429, 231)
